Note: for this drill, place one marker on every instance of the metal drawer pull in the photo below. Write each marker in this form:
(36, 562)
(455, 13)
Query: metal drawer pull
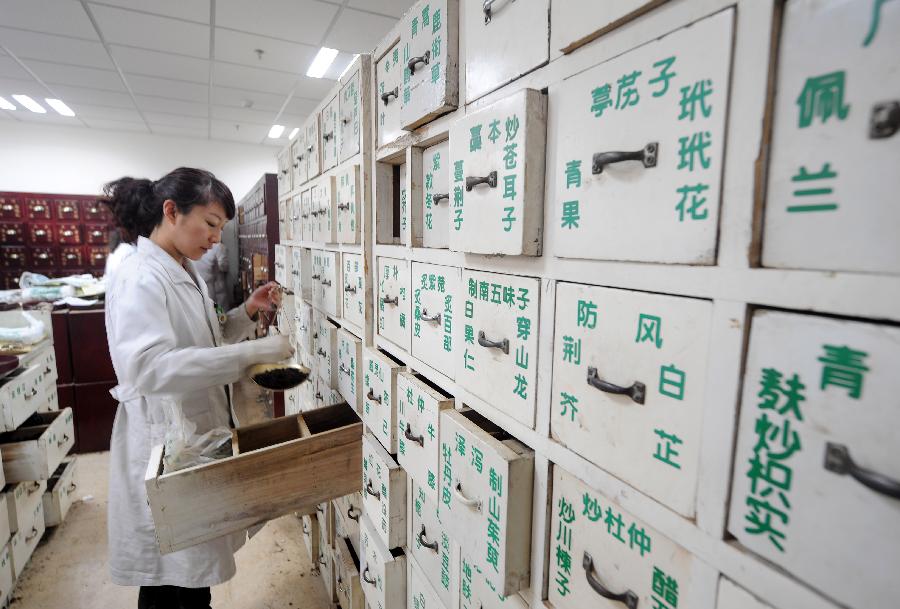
(296, 165)
(33, 393)
(486, 7)
(637, 392)
(387, 95)
(627, 598)
(838, 460)
(344, 206)
(427, 317)
(38, 233)
(475, 504)
(407, 433)
(318, 396)
(366, 578)
(321, 351)
(344, 370)
(65, 439)
(327, 136)
(391, 301)
(48, 370)
(320, 507)
(34, 486)
(431, 545)
(349, 288)
(646, 155)
(33, 534)
(473, 181)
(322, 560)
(340, 585)
(885, 120)
(305, 528)
(444, 196)
(372, 397)
(71, 488)
(316, 276)
(326, 282)
(376, 494)
(414, 61)
(300, 157)
(309, 148)
(483, 340)
(284, 171)
(352, 514)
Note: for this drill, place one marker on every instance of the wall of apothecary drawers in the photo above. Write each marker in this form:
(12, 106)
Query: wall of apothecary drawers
(613, 287)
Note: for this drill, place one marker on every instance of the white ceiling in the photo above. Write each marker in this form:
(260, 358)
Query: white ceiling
(182, 67)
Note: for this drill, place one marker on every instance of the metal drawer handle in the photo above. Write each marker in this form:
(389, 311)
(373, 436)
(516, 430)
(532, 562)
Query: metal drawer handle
(486, 7)
(427, 317)
(7, 207)
(284, 171)
(475, 504)
(344, 370)
(33, 393)
(431, 545)
(296, 165)
(340, 585)
(327, 136)
(322, 560)
(316, 276)
(627, 598)
(637, 392)
(372, 397)
(11, 232)
(34, 487)
(303, 328)
(305, 528)
(444, 196)
(352, 513)
(318, 396)
(414, 61)
(349, 288)
(326, 282)
(33, 534)
(647, 155)
(473, 181)
(366, 578)
(376, 494)
(885, 120)
(300, 157)
(96, 233)
(838, 460)
(391, 301)
(387, 95)
(309, 148)
(321, 351)
(71, 488)
(39, 208)
(304, 215)
(407, 433)
(38, 233)
(483, 340)
(48, 370)
(65, 439)
(344, 206)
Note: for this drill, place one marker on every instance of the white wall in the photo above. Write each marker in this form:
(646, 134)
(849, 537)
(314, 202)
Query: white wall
(77, 160)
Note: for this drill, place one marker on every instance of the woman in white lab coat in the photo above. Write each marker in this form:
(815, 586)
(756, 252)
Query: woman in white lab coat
(165, 338)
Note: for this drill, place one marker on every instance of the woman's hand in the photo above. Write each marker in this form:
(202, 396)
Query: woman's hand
(264, 298)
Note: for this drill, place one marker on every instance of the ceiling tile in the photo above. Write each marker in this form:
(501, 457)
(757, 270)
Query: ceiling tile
(152, 32)
(84, 111)
(224, 96)
(54, 73)
(93, 96)
(241, 115)
(200, 133)
(10, 69)
(171, 106)
(192, 10)
(252, 79)
(6, 115)
(174, 89)
(175, 120)
(238, 132)
(238, 47)
(301, 106)
(394, 8)
(53, 16)
(50, 118)
(101, 123)
(297, 20)
(156, 63)
(47, 47)
(358, 32)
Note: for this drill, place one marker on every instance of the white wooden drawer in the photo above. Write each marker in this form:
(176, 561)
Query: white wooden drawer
(348, 509)
(326, 571)
(324, 210)
(629, 378)
(7, 583)
(326, 395)
(348, 203)
(504, 39)
(35, 450)
(346, 576)
(326, 349)
(297, 156)
(833, 175)
(659, 200)
(310, 527)
(325, 520)
(326, 279)
(26, 539)
(474, 592)
(405, 209)
(497, 340)
(350, 369)
(394, 301)
(597, 546)
(292, 401)
(389, 77)
(59, 494)
(295, 227)
(312, 152)
(284, 170)
(383, 571)
(498, 176)
(817, 451)
(435, 308)
(384, 493)
(301, 271)
(283, 217)
(47, 359)
(430, 39)
(432, 547)
(307, 219)
(20, 395)
(6, 498)
(418, 425)
(351, 117)
(353, 290)
(486, 486)
(280, 271)
(330, 131)
(380, 396)
(21, 499)
(436, 195)
(306, 329)
(51, 403)
(577, 22)
(420, 592)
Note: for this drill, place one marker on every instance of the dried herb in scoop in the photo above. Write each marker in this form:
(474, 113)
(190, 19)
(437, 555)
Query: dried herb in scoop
(280, 379)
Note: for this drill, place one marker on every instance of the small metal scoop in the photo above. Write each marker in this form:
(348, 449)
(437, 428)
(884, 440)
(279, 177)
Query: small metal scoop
(278, 377)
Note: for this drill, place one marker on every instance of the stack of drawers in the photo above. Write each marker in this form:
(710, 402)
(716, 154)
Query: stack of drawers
(55, 235)
(258, 233)
(39, 481)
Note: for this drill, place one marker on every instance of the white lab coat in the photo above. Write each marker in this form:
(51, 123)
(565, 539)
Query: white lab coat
(164, 338)
(213, 268)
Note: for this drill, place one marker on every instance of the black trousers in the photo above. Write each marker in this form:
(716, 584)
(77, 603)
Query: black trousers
(173, 597)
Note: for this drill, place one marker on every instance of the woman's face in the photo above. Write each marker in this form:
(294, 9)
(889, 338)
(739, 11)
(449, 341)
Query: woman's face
(197, 231)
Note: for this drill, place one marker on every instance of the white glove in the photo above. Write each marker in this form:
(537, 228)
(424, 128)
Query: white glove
(268, 350)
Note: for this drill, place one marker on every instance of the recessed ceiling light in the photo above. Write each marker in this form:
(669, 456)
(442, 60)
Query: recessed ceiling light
(322, 62)
(30, 104)
(5, 105)
(276, 131)
(294, 133)
(59, 106)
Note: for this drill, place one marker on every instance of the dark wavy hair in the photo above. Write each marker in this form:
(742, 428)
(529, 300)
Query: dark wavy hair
(137, 204)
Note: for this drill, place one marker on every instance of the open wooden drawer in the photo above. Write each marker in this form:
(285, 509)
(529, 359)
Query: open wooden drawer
(35, 450)
(286, 465)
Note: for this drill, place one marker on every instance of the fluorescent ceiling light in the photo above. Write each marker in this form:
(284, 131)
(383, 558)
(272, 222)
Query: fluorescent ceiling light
(59, 106)
(5, 105)
(294, 133)
(322, 62)
(276, 131)
(30, 104)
